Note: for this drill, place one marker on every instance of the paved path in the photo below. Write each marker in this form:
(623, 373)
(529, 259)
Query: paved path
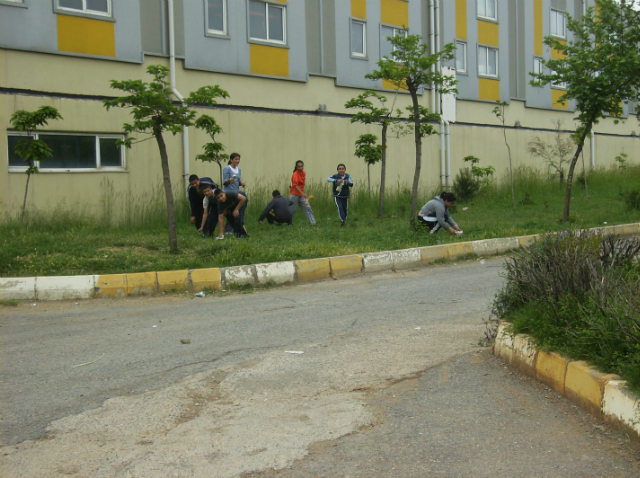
(391, 383)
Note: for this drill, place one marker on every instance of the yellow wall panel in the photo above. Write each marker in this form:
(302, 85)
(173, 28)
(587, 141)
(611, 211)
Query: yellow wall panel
(558, 55)
(488, 33)
(269, 60)
(394, 12)
(359, 9)
(537, 27)
(86, 35)
(489, 89)
(555, 98)
(461, 19)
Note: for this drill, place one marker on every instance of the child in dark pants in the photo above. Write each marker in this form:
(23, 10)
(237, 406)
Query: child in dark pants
(278, 210)
(342, 183)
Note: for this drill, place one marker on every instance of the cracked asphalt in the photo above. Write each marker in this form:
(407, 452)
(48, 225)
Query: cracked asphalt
(390, 382)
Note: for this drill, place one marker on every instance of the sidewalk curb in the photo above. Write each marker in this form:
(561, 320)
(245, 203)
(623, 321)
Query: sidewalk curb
(196, 280)
(603, 395)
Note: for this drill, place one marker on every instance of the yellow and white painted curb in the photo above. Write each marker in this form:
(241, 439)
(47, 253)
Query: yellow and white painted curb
(196, 280)
(604, 395)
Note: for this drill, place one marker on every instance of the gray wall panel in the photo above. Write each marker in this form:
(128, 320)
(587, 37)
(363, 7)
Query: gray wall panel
(504, 64)
(151, 25)
(38, 20)
(329, 36)
(297, 40)
(127, 30)
(314, 50)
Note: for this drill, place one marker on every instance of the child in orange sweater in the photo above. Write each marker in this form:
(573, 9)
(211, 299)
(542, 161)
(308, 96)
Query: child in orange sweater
(297, 194)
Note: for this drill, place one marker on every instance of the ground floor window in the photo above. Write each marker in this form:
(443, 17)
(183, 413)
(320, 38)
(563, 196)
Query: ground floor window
(73, 151)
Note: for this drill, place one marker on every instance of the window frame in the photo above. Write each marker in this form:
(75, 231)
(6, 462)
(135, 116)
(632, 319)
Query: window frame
(558, 13)
(84, 12)
(267, 41)
(488, 75)
(225, 21)
(358, 55)
(466, 66)
(384, 38)
(14, 3)
(537, 60)
(98, 168)
(484, 17)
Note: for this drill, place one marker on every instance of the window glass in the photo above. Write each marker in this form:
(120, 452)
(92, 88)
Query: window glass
(482, 60)
(70, 152)
(557, 23)
(491, 8)
(537, 65)
(74, 4)
(276, 31)
(357, 38)
(461, 57)
(386, 48)
(109, 153)
(215, 13)
(487, 8)
(98, 5)
(14, 159)
(257, 20)
(492, 62)
(487, 61)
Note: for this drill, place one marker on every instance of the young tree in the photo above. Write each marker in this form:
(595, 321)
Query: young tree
(373, 115)
(499, 112)
(32, 151)
(600, 67)
(411, 68)
(213, 151)
(555, 154)
(154, 113)
(367, 148)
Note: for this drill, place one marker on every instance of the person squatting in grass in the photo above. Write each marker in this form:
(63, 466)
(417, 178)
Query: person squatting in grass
(196, 198)
(278, 210)
(435, 214)
(232, 181)
(342, 182)
(297, 195)
(232, 205)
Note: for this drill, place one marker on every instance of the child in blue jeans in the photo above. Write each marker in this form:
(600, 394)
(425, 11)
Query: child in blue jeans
(342, 183)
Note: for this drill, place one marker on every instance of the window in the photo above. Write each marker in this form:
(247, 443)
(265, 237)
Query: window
(267, 22)
(358, 39)
(95, 7)
(487, 9)
(386, 48)
(461, 57)
(557, 24)
(487, 61)
(73, 151)
(558, 85)
(217, 17)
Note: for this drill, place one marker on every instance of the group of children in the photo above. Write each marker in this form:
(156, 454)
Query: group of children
(211, 204)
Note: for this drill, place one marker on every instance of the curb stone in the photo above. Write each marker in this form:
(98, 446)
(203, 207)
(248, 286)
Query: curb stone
(604, 395)
(196, 280)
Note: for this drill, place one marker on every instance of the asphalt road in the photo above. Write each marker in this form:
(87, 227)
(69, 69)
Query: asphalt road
(391, 382)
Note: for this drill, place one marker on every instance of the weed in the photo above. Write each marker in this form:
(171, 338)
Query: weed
(10, 303)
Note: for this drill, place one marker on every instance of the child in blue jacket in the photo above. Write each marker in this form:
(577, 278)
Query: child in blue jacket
(342, 182)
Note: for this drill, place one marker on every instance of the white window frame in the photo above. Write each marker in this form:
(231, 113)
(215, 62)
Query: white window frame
(268, 5)
(396, 31)
(537, 65)
(13, 3)
(553, 20)
(355, 54)
(98, 137)
(488, 75)
(561, 85)
(86, 11)
(463, 44)
(485, 17)
(225, 23)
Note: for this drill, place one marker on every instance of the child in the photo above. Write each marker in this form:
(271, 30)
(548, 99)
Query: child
(297, 194)
(232, 205)
(196, 197)
(232, 181)
(435, 214)
(277, 210)
(341, 184)
(210, 207)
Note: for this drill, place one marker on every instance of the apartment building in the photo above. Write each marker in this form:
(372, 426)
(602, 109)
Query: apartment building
(289, 66)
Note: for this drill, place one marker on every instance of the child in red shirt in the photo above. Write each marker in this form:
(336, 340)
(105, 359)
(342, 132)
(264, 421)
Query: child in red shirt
(297, 195)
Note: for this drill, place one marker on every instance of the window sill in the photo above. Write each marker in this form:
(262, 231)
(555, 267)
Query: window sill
(93, 16)
(214, 34)
(488, 77)
(359, 57)
(256, 41)
(487, 19)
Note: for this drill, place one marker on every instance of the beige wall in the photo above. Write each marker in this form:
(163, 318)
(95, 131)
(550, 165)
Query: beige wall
(269, 142)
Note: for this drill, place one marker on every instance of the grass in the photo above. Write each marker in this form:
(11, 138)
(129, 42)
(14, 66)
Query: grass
(129, 234)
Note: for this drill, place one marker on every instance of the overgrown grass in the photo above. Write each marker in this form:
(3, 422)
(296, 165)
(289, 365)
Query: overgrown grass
(129, 233)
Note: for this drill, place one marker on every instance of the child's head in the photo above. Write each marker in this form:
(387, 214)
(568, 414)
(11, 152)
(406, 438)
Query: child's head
(275, 193)
(342, 169)
(299, 166)
(220, 195)
(234, 160)
(207, 189)
(448, 198)
(194, 181)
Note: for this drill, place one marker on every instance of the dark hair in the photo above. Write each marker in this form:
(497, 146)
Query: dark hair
(232, 157)
(205, 185)
(276, 193)
(341, 165)
(217, 192)
(193, 177)
(296, 166)
(448, 196)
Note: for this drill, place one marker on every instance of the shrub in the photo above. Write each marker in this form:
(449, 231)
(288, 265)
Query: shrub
(465, 185)
(631, 198)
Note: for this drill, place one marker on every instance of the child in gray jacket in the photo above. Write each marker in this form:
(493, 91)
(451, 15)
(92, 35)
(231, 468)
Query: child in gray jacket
(435, 214)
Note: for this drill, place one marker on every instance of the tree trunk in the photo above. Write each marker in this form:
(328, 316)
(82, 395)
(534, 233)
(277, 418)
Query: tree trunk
(418, 140)
(220, 166)
(369, 179)
(171, 213)
(383, 172)
(584, 171)
(24, 204)
(513, 190)
(574, 160)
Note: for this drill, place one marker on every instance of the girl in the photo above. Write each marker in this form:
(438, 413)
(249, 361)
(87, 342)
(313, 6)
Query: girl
(297, 194)
(435, 214)
(231, 181)
(341, 184)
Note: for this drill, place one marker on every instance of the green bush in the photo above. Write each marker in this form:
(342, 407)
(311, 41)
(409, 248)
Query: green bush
(465, 185)
(631, 198)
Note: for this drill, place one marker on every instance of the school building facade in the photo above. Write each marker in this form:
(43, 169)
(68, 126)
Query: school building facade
(289, 67)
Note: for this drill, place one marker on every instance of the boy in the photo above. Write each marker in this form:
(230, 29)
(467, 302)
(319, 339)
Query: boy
(209, 206)
(278, 210)
(341, 184)
(232, 205)
(195, 201)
